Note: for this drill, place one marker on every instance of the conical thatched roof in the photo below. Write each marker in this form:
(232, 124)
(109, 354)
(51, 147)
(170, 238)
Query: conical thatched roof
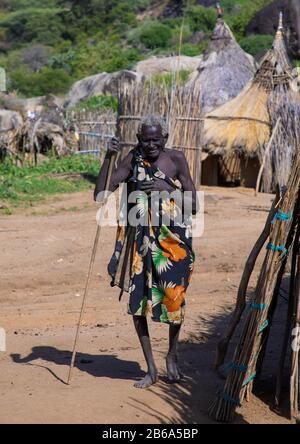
(244, 122)
(224, 69)
(275, 68)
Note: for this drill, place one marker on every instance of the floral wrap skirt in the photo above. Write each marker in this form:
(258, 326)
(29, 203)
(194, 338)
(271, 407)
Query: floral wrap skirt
(157, 259)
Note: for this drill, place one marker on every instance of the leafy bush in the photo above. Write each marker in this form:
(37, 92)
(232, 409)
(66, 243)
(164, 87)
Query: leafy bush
(36, 57)
(34, 25)
(63, 60)
(256, 44)
(14, 5)
(167, 79)
(191, 50)
(122, 16)
(140, 5)
(33, 183)
(186, 34)
(105, 56)
(100, 103)
(233, 7)
(200, 18)
(47, 80)
(155, 34)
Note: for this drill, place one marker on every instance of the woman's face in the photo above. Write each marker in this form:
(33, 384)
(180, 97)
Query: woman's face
(152, 141)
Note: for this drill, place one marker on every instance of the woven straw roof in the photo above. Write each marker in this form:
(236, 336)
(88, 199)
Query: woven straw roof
(243, 124)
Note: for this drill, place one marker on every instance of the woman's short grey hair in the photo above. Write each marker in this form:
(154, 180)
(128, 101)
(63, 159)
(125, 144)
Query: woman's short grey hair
(153, 121)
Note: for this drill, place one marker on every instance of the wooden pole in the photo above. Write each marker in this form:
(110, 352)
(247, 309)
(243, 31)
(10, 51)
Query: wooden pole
(92, 261)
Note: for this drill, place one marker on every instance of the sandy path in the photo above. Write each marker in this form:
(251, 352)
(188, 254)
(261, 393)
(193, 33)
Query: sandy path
(45, 254)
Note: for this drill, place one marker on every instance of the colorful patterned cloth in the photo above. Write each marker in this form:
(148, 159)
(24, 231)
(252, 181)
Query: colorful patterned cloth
(153, 262)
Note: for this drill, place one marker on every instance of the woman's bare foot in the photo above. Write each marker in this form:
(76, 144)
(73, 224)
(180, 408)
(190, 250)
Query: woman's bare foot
(148, 380)
(173, 371)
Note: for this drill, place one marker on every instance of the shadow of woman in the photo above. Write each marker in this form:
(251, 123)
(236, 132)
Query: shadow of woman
(109, 366)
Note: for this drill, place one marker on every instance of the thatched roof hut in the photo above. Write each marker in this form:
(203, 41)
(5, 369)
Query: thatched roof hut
(244, 122)
(243, 126)
(224, 69)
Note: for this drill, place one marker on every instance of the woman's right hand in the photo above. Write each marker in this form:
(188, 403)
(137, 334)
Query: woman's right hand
(114, 146)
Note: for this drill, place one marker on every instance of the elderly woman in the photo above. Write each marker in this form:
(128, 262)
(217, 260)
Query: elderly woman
(153, 261)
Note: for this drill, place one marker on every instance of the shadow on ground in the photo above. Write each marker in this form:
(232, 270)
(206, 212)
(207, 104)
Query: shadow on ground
(92, 178)
(96, 365)
(191, 398)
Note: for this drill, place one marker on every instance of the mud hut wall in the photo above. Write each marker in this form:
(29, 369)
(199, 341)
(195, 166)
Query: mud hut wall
(230, 169)
(237, 169)
(210, 171)
(249, 171)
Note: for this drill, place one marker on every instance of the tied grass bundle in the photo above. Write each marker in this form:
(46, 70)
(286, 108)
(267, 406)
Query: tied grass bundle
(249, 352)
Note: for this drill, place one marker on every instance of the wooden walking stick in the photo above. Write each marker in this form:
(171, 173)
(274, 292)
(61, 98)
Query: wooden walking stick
(92, 261)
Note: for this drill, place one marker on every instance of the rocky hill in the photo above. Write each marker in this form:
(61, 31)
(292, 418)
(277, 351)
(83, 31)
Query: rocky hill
(47, 46)
(265, 22)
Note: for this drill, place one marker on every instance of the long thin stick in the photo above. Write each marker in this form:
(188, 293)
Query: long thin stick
(241, 296)
(265, 155)
(92, 261)
(294, 380)
(289, 321)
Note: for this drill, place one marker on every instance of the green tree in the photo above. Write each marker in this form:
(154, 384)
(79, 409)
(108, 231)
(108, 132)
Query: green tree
(155, 35)
(104, 56)
(43, 82)
(200, 18)
(33, 25)
(256, 44)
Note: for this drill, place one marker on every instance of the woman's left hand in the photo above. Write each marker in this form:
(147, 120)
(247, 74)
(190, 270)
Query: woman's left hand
(155, 185)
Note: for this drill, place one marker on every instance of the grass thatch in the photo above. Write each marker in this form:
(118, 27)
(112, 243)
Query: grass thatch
(224, 69)
(244, 124)
(278, 160)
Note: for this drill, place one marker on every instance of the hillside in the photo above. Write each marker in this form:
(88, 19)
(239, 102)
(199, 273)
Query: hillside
(46, 46)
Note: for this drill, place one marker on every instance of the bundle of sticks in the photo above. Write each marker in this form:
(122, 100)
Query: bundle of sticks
(283, 229)
(186, 128)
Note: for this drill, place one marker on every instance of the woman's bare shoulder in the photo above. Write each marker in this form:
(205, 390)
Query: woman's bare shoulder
(128, 158)
(175, 155)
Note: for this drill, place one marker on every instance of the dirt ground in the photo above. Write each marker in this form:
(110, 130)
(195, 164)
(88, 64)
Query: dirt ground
(45, 252)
